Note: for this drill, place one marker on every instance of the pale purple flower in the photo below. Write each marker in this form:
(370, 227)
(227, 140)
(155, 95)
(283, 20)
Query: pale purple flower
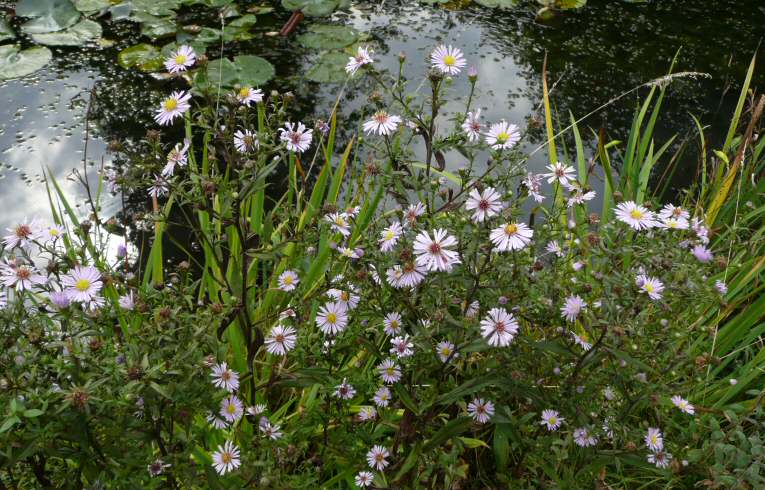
(226, 458)
(376, 457)
(484, 204)
(82, 284)
(552, 420)
(573, 306)
(433, 253)
(499, 327)
(481, 410)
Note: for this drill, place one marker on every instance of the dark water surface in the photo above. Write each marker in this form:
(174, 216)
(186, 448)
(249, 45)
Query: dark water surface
(594, 55)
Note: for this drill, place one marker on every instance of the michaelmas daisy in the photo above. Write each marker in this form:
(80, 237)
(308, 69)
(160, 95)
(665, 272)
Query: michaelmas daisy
(172, 107)
(447, 60)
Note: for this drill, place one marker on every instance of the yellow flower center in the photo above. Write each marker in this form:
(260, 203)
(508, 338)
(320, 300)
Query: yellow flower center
(636, 214)
(231, 408)
(648, 287)
(244, 92)
(180, 59)
(449, 60)
(226, 458)
(389, 235)
(288, 280)
(653, 440)
(331, 318)
(82, 285)
(446, 351)
(511, 229)
(345, 296)
(552, 420)
(53, 232)
(503, 137)
(171, 104)
(390, 371)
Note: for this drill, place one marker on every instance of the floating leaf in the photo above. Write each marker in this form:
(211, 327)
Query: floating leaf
(328, 37)
(155, 27)
(315, 8)
(143, 56)
(163, 8)
(329, 68)
(243, 70)
(77, 35)
(47, 15)
(88, 6)
(5, 30)
(15, 63)
(244, 21)
(570, 4)
(502, 4)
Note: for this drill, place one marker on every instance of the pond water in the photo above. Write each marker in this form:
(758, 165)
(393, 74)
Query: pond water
(594, 54)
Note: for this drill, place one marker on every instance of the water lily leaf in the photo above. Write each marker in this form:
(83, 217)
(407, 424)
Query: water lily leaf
(5, 30)
(502, 4)
(315, 8)
(15, 63)
(163, 8)
(143, 56)
(154, 27)
(88, 6)
(328, 37)
(77, 35)
(121, 11)
(329, 68)
(243, 70)
(570, 4)
(244, 21)
(47, 15)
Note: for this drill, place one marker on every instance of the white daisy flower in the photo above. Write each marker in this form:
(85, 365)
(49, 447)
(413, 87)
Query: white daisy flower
(55, 232)
(554, 247)
(231, 409)
(511, 236)
(226, 458)
(654, 440)
(257, 409)
(389, 237)
(82, 284)
(447, 60)
(561, 173)
(215, 421)
(486, 204)
(181, 60)
(481, 410)
(433, 253)
(127, 301)
(414, 211)
(339, 223)
(408, 276)
(367, 413)
(288, 280)
(574, 305)
(401, 347)
(472, 309)
(676, 212)
(344, 391)
(534, 184)
(552, 420)
(159, 188)
(364, 478)
(347, 298)
(269, 430)
(634, 215)
(382, 123)
(225, 378)
(389, 371)
(581, 342)
(649, 285)
(376, 457)
(281, 340)
(683, 405)
(248, 95)
(499, 327)
(472, 126)
(583, 438)
(445, 351)
(173, 106)
(332, 318)
(298, 138)
(392, 323)
(363, 57)
(177, 156)
(245, 141)
(382, 396)
(23, 235)
(503, 135)
(660, 459)
(21, 277)
(580, 197)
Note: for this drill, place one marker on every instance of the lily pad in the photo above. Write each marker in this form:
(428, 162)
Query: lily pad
(47, 15)
(243, 70)
(5, 30)
(315, 8)
(502, 4)
(329, 68)
(328, 37)
(81, 33)
(143, 56)
(157, 8)
(154, 27)
(89, 6)
(15, 62)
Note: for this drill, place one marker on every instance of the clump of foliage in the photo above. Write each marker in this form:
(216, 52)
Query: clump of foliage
(372, 319)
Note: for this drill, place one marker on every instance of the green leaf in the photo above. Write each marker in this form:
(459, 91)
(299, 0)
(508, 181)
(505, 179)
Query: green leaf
(47, 15)
(472, 443)
(5, 30)
(328, 37)
(502, 4)
(9, 423)
(143, 56)
(15, 63)
(156, 27)
(570, 4)
(90, 6)
(243, 70)
(315, 8)
(244, 21)
(329, 68)
(32, 413)
(77, 35)
(156, 8)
